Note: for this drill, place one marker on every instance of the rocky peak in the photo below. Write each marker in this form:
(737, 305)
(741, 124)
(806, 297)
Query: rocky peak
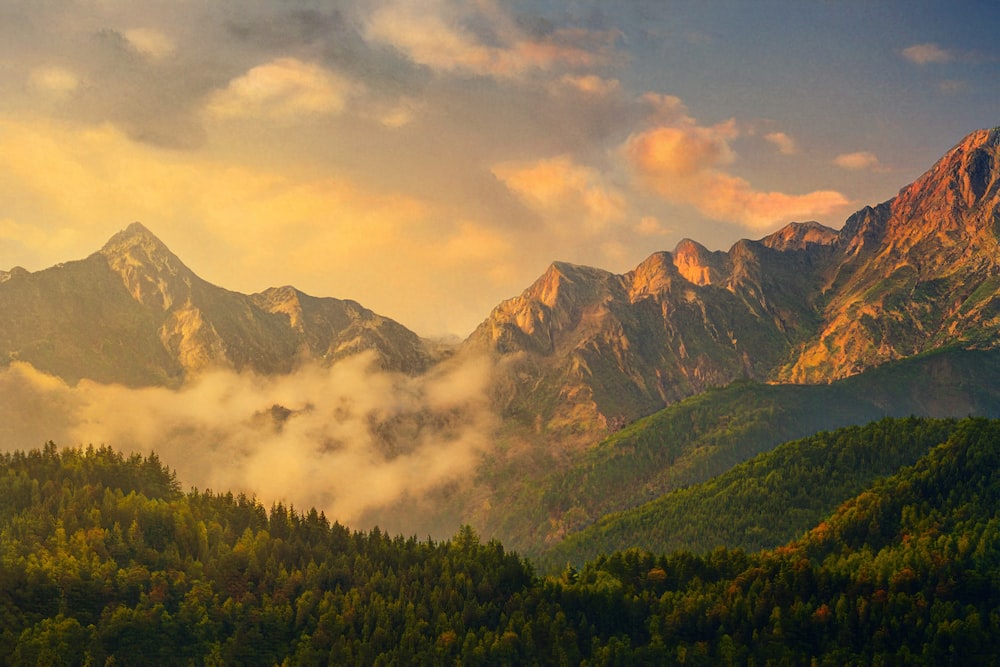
(151, 273)
(799, 235)
(698, 264)
(564, 284)
(654, 275)
(285, 299)
(965, 179)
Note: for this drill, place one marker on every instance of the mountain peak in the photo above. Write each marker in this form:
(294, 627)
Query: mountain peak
(798, 235)
(967, 175)
(151, 273)
(697, 263)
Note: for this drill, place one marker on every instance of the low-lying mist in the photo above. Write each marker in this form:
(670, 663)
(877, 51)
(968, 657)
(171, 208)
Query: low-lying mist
(348, 439)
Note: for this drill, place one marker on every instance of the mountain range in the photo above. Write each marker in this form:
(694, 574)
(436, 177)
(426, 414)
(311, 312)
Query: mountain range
(133, 313)
(583, 352)
(806, 304)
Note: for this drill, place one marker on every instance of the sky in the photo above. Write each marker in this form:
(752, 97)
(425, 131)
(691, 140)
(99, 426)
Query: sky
(431, 158)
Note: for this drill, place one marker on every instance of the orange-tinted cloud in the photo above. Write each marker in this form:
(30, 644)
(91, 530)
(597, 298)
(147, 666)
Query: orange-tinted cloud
(684, 163)
(559, 188)
(785, 144)
(857, 161)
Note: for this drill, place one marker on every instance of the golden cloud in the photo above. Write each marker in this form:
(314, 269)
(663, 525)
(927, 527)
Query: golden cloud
(683, 164)
(857, 161)
(560, 188)
(282, 89)
(52, 80)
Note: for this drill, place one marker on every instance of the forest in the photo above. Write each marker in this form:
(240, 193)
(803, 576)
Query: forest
(105, 560)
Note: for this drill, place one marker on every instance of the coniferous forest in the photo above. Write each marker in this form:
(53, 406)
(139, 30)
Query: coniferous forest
(105, 560)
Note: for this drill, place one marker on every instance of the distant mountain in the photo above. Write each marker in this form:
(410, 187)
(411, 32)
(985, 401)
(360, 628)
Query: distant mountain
(592, 350)
(134, 313)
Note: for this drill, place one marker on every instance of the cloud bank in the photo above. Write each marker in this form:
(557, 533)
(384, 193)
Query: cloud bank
(348, 439)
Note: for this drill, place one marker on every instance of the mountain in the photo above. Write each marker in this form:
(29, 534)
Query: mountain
(133, 313)
(633, 472)
(917, 272)
(591, 350)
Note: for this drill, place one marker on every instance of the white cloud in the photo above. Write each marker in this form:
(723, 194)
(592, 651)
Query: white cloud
(357, 438)
(860, 160)
(923, 54)
(282, 89)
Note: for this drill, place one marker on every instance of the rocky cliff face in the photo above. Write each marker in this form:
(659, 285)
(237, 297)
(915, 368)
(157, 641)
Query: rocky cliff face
(588, 349)
(806, 304)
(915, 273)
(134, 313)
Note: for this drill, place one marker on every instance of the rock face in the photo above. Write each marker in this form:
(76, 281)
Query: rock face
(915, 273)
(589, 349)
(134, 313)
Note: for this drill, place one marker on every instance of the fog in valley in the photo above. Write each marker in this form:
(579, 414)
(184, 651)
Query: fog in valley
(348, 439)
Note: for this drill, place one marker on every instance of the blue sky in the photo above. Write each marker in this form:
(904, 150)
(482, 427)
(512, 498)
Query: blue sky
(430, 158)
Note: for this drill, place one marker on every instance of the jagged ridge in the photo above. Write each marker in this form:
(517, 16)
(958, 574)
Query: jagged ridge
(804, 304)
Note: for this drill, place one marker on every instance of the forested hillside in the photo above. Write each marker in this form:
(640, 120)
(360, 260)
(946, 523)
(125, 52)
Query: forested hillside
(103, 559)
(706, 435)
(765, 502)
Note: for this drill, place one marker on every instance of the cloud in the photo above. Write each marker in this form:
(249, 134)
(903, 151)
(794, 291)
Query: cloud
(650, 226)
(150, 42)
(860, 160)
(923, 54)
(348, 439)
(785, 144)
(56, 81)
(559, 188)
(591, 84)
(282, 89)
(685, 163)
(441, 36)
